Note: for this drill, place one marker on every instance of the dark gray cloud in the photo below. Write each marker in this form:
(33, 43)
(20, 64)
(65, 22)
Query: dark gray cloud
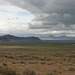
(53, 14)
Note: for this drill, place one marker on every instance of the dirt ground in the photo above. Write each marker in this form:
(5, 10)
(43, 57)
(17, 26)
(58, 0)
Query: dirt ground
(41, 61)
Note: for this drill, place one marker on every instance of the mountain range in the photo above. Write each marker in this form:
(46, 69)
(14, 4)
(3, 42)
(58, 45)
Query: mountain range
(61, 37)
(15, 38)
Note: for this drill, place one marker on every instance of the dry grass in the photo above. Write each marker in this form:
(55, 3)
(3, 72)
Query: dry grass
(40, 59)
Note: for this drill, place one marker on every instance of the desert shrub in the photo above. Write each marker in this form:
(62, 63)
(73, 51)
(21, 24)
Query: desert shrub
(5, 64)
(13, 62)
(50, 63)
(49, 73)
(33, 62)
(11, 57)
(7, 71)
(29, 72)
(22, 62)
(60, 72)
(42, 62)
(71, 69)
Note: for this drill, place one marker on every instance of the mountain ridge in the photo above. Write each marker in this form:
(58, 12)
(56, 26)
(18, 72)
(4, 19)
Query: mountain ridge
(16, 38)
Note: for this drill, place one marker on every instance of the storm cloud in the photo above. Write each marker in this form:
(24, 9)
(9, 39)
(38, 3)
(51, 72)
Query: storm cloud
(50, 15)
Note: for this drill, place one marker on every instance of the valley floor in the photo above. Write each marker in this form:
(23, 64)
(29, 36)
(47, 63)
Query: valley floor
(42, 58)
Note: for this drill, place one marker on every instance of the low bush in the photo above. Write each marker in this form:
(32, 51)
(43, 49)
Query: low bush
(7, 71)
(49, 74)
(29, 72)
(5, 64)
(71, 69)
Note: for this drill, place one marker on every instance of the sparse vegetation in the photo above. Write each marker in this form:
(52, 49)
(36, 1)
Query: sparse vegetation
(39, 57)
(49, 73)
(7, 71)
(71, 69)
(29, 72)
(5, 64)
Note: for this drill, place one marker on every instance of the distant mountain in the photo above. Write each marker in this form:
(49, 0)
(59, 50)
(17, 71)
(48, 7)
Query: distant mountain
(15, 38)
(61, 37)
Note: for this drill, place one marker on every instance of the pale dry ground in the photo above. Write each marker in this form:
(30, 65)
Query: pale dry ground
(40, 60)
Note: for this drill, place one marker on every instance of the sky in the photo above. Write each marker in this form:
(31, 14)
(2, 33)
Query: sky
(40, 18)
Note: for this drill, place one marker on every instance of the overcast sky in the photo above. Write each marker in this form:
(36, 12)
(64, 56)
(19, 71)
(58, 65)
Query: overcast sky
(37, 17)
